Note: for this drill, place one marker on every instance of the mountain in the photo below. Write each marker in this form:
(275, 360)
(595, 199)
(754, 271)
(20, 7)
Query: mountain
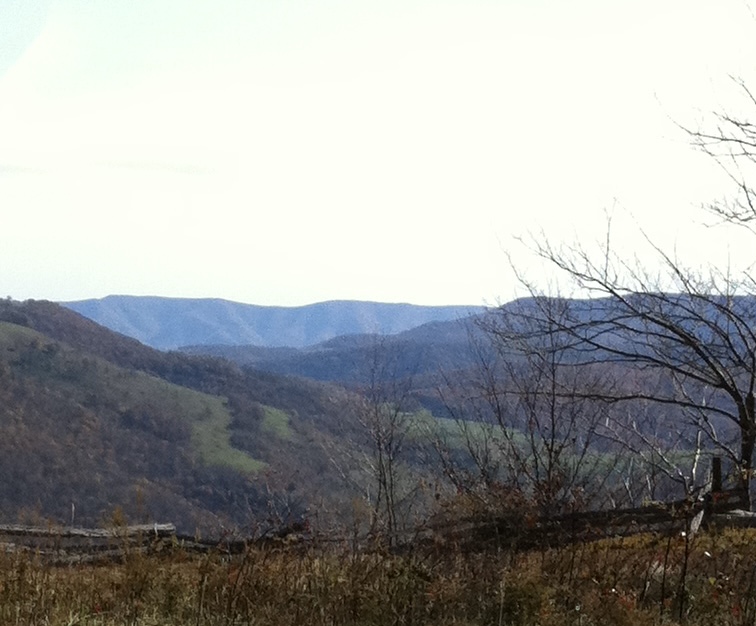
(169, 323)
(348, 359)
(94, 419)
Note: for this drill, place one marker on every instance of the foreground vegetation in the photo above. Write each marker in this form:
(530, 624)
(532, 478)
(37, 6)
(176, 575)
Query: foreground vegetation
(639, 580)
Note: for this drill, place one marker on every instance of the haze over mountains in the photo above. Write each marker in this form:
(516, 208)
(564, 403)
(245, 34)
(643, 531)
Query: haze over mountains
(170, 323)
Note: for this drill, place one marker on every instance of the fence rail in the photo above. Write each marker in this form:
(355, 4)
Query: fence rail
(482, 532)
(69, 545)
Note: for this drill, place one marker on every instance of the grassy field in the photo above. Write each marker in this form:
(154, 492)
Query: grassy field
(276, 422)
(633, 581)
(208, 415)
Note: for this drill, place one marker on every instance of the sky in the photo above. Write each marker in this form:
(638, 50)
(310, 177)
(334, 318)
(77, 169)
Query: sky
(285, 152)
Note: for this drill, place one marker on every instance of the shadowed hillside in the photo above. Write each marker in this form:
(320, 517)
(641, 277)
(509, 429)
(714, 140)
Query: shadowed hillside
(419, 353)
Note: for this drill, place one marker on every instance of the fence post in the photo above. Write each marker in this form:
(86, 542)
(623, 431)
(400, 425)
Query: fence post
(716, 474)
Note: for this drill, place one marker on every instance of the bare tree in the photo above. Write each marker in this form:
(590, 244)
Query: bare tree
(689, 337)
(385, 413)
(470, 450)
(662, 457)
(730, 140)
(690, 332)
(526, 420)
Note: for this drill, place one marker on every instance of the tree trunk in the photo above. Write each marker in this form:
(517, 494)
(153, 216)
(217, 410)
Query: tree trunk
(747, 445)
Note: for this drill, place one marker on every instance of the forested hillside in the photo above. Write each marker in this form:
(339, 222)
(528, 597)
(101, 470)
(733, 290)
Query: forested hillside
(96, 420)
(424, 350)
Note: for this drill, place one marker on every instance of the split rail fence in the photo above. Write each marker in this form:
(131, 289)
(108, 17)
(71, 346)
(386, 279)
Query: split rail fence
(718, 507)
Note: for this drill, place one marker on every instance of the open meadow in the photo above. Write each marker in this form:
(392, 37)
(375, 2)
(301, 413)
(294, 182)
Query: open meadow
(645, 579)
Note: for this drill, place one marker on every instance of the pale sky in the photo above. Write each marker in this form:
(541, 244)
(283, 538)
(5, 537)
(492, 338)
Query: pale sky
(292, 151)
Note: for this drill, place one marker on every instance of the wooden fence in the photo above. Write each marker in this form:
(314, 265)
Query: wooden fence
(523, 531)
(67, 545)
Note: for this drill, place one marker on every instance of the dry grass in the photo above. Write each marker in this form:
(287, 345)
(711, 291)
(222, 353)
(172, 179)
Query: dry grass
(635, 581)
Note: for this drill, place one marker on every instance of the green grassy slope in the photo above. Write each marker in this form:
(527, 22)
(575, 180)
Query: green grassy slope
(79, 377)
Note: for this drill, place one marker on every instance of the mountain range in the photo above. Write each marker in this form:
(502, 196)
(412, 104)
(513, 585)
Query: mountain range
(94, 418)
(170, 323)
(95, 421)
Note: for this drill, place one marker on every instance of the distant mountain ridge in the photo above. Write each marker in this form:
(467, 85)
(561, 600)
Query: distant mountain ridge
(348, 359)
(170, 323)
